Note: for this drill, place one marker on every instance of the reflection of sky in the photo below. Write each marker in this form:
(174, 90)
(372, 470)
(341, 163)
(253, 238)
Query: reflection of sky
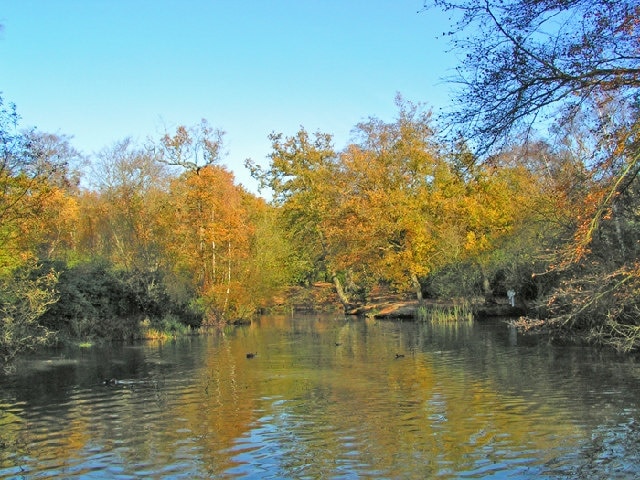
(464, 400)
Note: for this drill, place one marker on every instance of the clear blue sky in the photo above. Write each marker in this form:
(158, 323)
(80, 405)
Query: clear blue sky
(103, 70)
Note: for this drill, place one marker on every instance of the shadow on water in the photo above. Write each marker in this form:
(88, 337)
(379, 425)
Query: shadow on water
(325, 397)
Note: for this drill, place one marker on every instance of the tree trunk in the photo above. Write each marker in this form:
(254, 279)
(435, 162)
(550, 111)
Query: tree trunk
(228, 292)
(616, 222)
(340, 291)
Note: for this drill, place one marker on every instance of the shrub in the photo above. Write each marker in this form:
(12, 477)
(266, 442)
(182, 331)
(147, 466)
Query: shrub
(97, 301)
(24, 297)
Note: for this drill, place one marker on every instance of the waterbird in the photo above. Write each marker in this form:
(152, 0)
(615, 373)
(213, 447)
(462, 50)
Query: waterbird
(399, 355)
(110, 381)
(251, 355)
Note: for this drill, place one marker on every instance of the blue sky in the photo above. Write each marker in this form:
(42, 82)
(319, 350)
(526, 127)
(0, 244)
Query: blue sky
(101, 70)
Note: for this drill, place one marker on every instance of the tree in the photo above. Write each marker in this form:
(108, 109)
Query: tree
(274, 261)
(31, 171)
(24, 298)
(518, 210)
(524, 60)
(535, 63)
(208, 229)
(191, 147)
(50, 233)
(302, 176)
(33, 180)
(382, 225)
(132, 187)
(573, 66)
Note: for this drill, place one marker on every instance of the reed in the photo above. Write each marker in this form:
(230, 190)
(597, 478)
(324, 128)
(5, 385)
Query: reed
(458, 312)
(167, 328)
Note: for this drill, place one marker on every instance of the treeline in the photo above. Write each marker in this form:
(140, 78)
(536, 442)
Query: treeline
(160, 237)
(554, 220)
(163, 237)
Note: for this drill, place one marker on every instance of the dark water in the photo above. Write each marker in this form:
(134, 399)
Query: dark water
(465, 401)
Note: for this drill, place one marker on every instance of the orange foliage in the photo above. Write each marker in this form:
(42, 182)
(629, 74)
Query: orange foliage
(208, 235)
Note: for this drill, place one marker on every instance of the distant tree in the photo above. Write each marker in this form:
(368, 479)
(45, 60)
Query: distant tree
(191, 147)
(26, 175)
(274, 262)
(301, 176)
(132, 187)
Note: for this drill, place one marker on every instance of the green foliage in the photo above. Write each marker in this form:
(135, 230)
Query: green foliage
(167, 327)
(92, 303)
(98, 302)
(302, 176)
(25, 296)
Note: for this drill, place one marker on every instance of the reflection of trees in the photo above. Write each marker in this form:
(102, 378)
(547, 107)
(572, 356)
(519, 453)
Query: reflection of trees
(391, 414)
(462, 399)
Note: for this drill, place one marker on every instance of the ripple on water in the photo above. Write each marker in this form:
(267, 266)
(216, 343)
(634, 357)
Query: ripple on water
(456, 406)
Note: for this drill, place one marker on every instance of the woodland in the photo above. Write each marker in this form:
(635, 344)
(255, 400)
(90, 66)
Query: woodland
(529, 182)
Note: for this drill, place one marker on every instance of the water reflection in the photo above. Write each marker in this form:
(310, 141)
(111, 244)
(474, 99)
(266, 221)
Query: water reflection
(324, 397)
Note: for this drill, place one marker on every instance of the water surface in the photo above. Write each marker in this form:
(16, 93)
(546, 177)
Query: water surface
(325, 397)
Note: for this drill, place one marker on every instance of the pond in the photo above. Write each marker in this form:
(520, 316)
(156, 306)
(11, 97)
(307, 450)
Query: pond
(325, 397)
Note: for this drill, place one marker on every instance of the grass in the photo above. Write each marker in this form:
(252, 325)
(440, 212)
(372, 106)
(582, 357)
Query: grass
(446, 313)
(168, 327)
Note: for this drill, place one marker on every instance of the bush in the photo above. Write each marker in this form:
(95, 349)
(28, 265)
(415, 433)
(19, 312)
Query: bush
(24, 297)
(97, 301)
(600, 307)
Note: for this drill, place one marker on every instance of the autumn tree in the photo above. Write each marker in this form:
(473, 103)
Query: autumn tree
(208, 230)
(33, 181)
(576, 65)
(518, 209)
(132, 188)
(527, 64)
(50, 234)
(32, 174)
(413, 209)
(374, 212)
(382, 221)
(532, 64)
(302, 178)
